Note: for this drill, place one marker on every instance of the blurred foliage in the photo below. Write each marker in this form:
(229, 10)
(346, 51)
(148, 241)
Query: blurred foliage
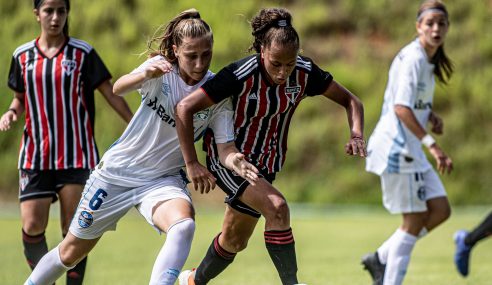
(355, 40)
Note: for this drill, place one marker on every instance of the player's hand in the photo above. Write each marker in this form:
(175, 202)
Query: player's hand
(202, 179)
(158, 68)
(245, 169)
(444, 162)
(437, 124)
(7, 120)
(356, 145)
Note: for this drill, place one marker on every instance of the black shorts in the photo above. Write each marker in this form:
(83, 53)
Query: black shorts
(35, 184)
(234, 185)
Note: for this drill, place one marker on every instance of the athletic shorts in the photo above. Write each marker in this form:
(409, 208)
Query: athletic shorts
(103, 204)
(36, 184)
(409, 192)
(234, 185)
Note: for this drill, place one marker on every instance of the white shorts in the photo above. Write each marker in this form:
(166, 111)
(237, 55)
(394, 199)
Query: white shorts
(102, 204)
(409, 192)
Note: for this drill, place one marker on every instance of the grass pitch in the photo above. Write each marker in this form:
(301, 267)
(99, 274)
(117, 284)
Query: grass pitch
(329, 243)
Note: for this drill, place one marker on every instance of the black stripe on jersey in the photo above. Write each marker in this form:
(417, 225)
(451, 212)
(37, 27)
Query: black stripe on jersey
(35, 117)
(48, 101)
(301, 63)
(246, 68)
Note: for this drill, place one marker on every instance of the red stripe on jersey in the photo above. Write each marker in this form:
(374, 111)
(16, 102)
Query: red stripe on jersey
(60, 120)
(78, 153)
(43, 118)
(262, 106)
(240, 113)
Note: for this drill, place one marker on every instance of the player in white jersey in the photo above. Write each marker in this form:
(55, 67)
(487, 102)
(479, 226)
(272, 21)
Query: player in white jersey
(410, 185)
(143, 168)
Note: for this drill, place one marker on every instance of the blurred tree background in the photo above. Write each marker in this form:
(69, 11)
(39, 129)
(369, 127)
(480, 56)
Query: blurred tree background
(355, 40)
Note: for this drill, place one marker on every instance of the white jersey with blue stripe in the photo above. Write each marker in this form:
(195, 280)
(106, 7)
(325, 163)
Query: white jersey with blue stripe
(149, 147)
(392, 147)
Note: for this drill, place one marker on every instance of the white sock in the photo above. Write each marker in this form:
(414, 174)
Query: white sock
(384, 248)
(173, 254)
(48, 269)
(398, 257)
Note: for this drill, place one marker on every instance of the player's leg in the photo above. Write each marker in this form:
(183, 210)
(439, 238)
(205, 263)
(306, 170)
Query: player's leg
(36, 193)
(176, 218)
(279, 239)
(60, 259)
(70, 184)
(465, 241)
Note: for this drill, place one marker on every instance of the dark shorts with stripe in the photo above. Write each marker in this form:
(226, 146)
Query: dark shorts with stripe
(36, 184)
(234, 185)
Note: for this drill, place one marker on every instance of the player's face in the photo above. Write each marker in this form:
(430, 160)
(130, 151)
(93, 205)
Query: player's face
(194, 56)
(52, 15)
(432, 30)
(279, 61)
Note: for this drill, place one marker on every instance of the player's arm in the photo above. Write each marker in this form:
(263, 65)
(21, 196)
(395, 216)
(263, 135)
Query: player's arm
(355, 115)
(406, 115)
(117, 103)
(16, 109)
(202, 179)
(231, 158)
(135, 80)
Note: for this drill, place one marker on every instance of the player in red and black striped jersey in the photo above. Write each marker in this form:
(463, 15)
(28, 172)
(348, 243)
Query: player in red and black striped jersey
(53, 78)
(266, 89)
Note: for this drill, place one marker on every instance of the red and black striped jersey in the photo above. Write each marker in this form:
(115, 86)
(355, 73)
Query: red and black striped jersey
(59, 103)
(263, 111)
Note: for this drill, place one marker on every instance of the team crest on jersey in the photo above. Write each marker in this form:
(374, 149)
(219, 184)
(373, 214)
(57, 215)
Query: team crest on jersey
(68, 66)
(291, 92)
(166, 89)
(85, 219)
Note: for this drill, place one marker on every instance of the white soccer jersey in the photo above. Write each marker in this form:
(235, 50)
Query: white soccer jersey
(392, 146)
(149, 147)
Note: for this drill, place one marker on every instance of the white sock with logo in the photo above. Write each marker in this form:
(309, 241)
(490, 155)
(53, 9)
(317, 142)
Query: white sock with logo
(398, 257)
(174, 252)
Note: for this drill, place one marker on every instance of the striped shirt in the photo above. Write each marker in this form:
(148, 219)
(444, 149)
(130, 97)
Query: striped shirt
(263, 110)
(59, 103)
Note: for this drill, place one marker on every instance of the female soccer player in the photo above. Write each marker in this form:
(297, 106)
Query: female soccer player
(265, 88)
(143, 167)
(465, 241)
(410, 185)
(53, 78)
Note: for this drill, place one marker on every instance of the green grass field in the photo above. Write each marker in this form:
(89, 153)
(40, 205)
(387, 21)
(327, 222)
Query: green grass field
(329, 244)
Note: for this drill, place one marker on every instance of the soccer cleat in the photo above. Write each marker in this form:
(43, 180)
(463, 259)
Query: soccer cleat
(187, 277)
(373, 265)
(462, 253)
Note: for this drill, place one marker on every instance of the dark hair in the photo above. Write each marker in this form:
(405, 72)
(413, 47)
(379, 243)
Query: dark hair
(38, 3)
(273, 25)
(187, 24)
(443, 65)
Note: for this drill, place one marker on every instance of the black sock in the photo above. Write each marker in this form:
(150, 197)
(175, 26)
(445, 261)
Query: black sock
(216, 260)
(480, 232)
(34, 248)
(75, 276)
(281, 247)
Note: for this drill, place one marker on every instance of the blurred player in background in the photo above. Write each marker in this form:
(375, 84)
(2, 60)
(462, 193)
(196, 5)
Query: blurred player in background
(53, 78)
(410, 186)
(266, 88)
(465, 241)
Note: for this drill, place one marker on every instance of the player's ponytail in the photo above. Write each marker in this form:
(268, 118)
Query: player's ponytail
(187, 24)
(273, 25)
(443, 65)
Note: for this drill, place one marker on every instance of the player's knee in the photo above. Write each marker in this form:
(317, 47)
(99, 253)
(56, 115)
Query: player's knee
(280, 212)
(184, 228)
(68, 257)
(236, 243)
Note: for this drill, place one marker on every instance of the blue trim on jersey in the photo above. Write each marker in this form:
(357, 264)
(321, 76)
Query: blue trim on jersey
(395, 151)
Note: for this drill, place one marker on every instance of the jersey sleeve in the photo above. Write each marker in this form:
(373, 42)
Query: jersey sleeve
(15, 80)
(95, 70)
(223, 85)
(221, 122)
(318, 81)
(408, 76)
(151, 84)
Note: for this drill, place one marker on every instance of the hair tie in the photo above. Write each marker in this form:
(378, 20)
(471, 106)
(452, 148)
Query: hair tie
(282, 23)
(431, 10)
